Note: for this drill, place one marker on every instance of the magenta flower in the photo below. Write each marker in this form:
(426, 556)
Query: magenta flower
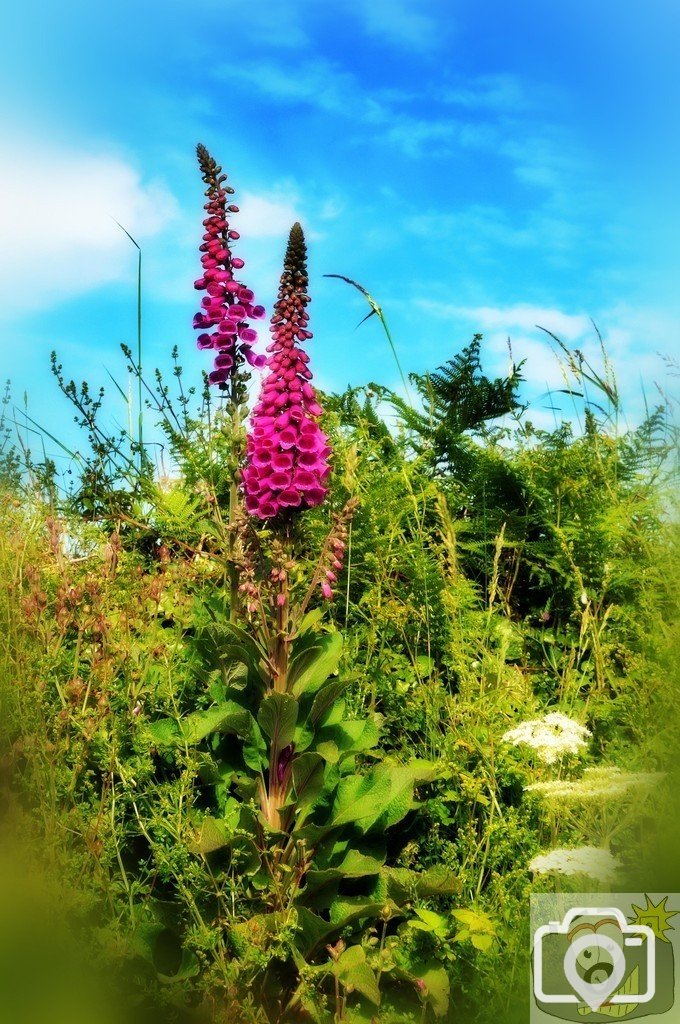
(228, 304)
(287, 454)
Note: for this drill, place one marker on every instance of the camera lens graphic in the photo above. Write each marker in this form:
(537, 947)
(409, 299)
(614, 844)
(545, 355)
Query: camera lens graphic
(594, 966)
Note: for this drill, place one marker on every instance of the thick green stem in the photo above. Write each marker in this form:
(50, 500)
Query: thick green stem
(234, 504)
(281, 646)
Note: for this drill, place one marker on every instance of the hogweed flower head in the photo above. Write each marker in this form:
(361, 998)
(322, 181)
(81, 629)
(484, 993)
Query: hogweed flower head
(551, 736)
(287, 452)
(228, 305)
(602, 783)
(593, 861)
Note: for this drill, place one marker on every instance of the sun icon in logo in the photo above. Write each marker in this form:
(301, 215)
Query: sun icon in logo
(656, 916)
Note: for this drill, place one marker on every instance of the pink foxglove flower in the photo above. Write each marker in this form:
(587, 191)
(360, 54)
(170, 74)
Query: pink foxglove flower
(287, 456)
(228, 304)
(330, 563)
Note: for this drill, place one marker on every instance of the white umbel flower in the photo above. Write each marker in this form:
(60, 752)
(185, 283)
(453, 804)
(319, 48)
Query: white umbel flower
(598, 784)
(551, 736)
(593, 861)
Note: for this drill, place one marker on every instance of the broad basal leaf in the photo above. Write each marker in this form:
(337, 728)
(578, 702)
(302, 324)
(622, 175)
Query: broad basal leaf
(356, 865)
(227, 717)
(312, 667)
(277, 718)
(308, 773)
(437, 987)
(352, 971)
(213, 835)
(222, 643)
(361, 799)
(349, 737)
(404, 884)
(380, 798)
(254, 747)
(325, 699)
(346, 909)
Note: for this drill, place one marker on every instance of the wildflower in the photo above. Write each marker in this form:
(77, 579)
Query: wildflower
(603, 783)
(287, 453)
(331, 559)
(593, 861)
(551, 736)
(228, 305)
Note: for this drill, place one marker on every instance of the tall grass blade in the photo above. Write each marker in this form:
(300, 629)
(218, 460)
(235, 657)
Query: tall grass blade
(140, 414)
(376, 310)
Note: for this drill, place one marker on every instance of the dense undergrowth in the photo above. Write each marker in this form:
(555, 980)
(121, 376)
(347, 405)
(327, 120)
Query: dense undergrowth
(494, 573)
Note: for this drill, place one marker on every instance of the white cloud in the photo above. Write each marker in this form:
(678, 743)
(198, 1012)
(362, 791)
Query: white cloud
(280, 24)
(414, 136)
(265, 216)
(398, 22)
(475, 228)
(486, 233)
(326, 87)
(332, 208)
(59, 238)
(315, 83)
(503, 93)
(629, 335)
(525, 317)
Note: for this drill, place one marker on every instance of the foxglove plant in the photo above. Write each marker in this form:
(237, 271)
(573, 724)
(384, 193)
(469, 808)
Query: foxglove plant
(293, 798)
(287, 465)
(224, 322)
(228, 305)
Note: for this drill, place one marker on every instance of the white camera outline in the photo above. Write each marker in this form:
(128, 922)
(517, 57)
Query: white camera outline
(555, 928)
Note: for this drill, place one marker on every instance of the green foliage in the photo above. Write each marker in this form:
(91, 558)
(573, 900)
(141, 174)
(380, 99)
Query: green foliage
(353, 842)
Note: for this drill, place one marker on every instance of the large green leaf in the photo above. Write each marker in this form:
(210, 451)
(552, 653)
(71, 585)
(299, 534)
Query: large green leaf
(433, 984)
(308, 773)
(354, 865)
(312, 666)
(222, 643)
(381, 797)
(230, 832)
(404, 884)
(277, 718)
(313, 834)
(310, 620)
(246, 856)
(312, 931)
(164, 732)
(360, 799)
(346, 909)
(353, 972)
(227, 717)
(325, 699)
(233, 676)
(213, 835)
(404, 778)
(304, 734)
(254, 747)
(349, 851)
(334, 742)
(162, 947)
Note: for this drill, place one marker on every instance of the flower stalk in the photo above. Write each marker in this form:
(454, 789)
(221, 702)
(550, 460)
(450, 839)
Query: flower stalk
(287, 454)
(224, 322)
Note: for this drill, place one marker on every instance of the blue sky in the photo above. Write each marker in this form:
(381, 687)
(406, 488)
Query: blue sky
(478, 166)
